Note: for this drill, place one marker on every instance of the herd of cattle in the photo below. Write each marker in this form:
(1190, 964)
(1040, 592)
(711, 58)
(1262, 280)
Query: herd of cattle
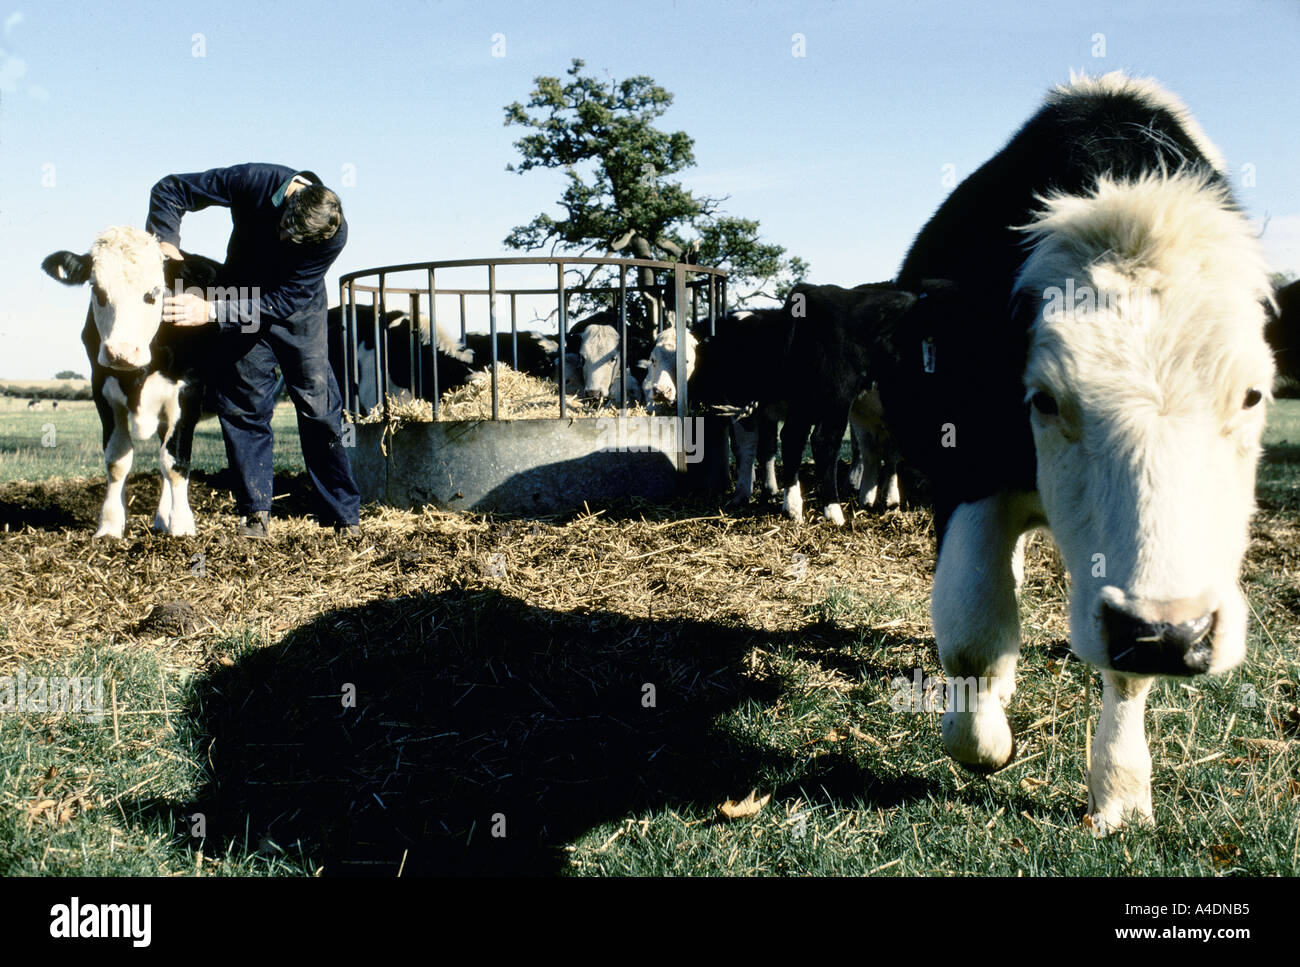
(1076, 340)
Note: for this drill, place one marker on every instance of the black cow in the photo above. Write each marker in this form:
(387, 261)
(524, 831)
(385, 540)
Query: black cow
(807, 363)
(536, 353)
(1283, 332)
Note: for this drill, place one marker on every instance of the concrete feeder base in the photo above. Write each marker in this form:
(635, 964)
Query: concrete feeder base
(522, 467)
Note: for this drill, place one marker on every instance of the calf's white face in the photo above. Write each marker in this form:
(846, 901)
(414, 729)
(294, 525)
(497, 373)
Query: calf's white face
(661, 379)
(1147, 395)
(599, 351)
(127, 288)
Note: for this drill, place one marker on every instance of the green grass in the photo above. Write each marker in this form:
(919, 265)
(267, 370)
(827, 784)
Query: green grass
(55, 768)
(48, 444)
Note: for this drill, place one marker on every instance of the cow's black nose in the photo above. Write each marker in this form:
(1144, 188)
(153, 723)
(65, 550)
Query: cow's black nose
(1144, 647)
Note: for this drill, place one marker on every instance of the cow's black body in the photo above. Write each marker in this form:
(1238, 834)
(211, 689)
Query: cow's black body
(980, 353)
(808, 360)
(362, 393)
(535, 352)
(1283, 332)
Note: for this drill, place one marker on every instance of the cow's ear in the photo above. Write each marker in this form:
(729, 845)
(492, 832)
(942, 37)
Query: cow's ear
(191, 271)
(67, 267)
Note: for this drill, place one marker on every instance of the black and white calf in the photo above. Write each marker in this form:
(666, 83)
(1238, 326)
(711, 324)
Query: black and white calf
(146, 377)
(740, 368)
(403, 381)
(1106, 379)
(809, 364)
(527, 352)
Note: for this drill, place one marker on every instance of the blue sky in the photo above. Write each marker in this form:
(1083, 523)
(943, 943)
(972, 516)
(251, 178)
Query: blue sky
(840, 153)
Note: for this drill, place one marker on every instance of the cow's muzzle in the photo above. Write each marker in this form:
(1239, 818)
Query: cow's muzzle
(1157, 638)
(123, 356)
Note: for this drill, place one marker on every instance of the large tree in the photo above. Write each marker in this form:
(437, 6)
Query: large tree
(621, 197)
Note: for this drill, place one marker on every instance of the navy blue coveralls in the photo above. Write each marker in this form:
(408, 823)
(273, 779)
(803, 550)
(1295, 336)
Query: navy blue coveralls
(275, 313)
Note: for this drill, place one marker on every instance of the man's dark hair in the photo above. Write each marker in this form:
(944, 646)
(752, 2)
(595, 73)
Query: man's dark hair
(313, 213)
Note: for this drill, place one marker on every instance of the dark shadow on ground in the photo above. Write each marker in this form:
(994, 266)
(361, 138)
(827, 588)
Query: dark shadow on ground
(472, 707)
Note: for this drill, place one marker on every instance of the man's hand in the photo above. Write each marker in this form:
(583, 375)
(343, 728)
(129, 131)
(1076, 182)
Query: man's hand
(171, 251)
(185, 310)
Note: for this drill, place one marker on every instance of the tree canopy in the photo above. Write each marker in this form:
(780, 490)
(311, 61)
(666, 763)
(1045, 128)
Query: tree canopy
(621, 196)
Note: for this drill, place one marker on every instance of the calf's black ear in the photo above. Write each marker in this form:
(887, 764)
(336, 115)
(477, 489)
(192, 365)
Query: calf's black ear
(67, 267)
(193, 272)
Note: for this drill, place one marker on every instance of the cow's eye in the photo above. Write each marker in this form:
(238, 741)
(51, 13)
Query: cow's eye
(1253, 399)
(100, 295)
(1044, 403)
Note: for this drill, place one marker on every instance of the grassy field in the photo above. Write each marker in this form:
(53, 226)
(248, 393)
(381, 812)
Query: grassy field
(66, 441)
(460, 694)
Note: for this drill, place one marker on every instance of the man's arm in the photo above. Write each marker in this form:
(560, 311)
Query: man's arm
(175, 195)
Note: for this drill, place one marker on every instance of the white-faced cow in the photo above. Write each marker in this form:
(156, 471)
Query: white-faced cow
(660, 386)
(146, 377)
(1106, 378)
(599, 357)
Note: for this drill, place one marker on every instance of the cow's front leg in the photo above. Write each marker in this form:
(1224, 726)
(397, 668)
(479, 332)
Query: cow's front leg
(889, 479)
(174, 514)
(744, 440)
(118, 454)
(794, 437)
(826, 440)
(977, 627)
(767, 443)
(1119, 775)
(162, 517)
(866, 465)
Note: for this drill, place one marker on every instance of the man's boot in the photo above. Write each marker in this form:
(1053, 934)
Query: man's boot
(256, 526)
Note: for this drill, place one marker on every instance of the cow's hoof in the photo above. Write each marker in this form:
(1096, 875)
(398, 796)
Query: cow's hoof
(792, 506)
(980, 740)
(835, 514)
(113, 532)
(894, 498)
(161, 526)
(184, 530)
(738, 500)
(1117, 816)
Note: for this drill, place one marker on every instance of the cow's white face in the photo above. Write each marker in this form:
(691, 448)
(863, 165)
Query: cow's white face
(599, 352)
(1147, 394)
(127, 290)
(661, 380)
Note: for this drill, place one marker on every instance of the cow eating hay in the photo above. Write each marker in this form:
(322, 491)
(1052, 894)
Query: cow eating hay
(1106, 380)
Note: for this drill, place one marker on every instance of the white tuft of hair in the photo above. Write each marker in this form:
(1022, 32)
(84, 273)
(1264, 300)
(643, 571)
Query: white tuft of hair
(1176, 242)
